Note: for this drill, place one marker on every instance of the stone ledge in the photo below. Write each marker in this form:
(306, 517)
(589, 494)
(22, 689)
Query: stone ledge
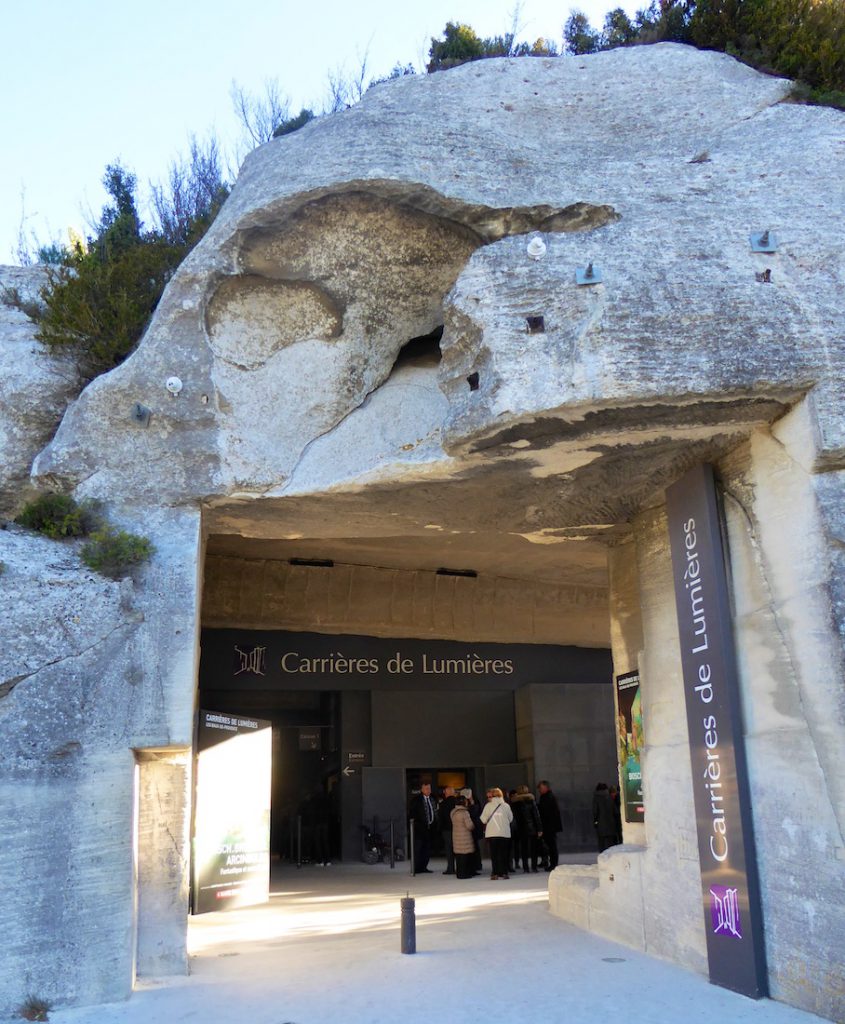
(604, 898)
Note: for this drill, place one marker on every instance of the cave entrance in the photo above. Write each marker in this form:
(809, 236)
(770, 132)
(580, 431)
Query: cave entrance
(383, 649)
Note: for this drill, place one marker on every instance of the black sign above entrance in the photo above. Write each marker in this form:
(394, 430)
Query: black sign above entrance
(730, 891)
(235, 659)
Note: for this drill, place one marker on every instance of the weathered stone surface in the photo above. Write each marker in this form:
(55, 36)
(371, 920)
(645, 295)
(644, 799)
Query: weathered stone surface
(84, 667)
(302, 427)
(584, 153)
(35, 391)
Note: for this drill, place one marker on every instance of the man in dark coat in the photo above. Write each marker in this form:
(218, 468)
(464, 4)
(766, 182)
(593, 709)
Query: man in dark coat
(444, 824)
(604, 820)
(550, 819)
(617, 811)
(529, 828)
(423, 813)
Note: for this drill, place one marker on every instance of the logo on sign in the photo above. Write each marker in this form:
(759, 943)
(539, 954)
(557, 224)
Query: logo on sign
(253, 661)
(724, 911)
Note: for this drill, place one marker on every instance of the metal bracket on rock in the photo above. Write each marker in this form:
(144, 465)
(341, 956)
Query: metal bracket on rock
(141, 414)
(763, 241)
(588, 275)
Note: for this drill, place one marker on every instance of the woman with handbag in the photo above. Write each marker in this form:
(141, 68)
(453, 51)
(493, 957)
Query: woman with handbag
(496, 818)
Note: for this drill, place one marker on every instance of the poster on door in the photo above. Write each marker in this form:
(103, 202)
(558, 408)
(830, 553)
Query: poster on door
(231, 847)
(629, 738)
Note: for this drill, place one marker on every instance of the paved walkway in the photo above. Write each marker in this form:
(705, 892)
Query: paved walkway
(326, 950)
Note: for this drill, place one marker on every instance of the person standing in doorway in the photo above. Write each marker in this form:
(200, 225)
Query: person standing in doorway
(529, 828)
(496, 818)
(463, 841)
(423, 814)
(477, 828)
(444, 824)
(617, 812)
(550, 818)
(604, 820)
(321, 813)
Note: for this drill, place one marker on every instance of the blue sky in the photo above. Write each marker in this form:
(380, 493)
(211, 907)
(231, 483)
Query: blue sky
(87, 82)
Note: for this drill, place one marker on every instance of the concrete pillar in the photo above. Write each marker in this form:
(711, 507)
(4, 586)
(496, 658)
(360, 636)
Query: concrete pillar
(162, 845)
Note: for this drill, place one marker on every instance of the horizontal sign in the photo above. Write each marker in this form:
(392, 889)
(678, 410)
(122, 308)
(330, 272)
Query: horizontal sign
(275, 659)
(309, 738)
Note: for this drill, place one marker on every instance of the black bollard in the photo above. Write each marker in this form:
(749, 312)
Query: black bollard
(409, 925)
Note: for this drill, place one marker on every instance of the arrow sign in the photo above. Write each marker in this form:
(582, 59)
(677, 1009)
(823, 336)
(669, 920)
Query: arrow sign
(347, 771)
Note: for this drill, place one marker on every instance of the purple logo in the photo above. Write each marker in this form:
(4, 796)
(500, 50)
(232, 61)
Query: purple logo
(724, 911)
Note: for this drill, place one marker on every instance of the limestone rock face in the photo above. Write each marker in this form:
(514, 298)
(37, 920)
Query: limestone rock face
(388, 342)
(76, 696)
(414, 209)
(35, 388)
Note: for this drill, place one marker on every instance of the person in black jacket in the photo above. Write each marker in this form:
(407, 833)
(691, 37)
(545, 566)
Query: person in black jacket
(529, 826)
(550, 820)
(423, 813)
(617, 812)
(604, 819)
(444, 823)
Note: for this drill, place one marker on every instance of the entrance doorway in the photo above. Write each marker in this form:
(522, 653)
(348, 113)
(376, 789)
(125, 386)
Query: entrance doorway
(358, 723)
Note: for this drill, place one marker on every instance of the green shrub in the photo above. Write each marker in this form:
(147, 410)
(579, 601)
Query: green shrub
(59, 516)
(113, 553)
(799, 39)
(101, 293)
(34, 1008)
(293, 124)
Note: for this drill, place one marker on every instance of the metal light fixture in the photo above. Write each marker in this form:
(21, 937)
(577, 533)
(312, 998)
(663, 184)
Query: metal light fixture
(536, 248)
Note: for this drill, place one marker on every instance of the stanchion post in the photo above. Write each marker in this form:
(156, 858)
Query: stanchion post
(409, 924)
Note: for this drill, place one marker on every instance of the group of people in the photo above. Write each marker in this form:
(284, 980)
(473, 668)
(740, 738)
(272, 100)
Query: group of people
(516, 829)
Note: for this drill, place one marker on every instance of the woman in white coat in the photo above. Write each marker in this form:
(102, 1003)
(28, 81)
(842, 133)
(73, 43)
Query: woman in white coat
(496, 819)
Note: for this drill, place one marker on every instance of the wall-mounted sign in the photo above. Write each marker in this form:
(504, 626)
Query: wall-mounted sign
(309, 738)
(356, 756)
(231, 865)
(730, 890)
(629, 738)
(276, 659)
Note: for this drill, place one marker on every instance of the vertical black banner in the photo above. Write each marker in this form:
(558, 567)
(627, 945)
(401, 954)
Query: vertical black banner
(730, 891)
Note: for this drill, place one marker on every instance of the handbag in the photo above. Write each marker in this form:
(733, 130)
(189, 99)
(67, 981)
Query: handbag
(492, 816)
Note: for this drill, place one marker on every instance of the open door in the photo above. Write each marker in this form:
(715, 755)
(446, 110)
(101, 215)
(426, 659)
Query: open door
(384, 800)
(231, 842)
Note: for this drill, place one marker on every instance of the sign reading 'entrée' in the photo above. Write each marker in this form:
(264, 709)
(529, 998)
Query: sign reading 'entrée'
(720, 780)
